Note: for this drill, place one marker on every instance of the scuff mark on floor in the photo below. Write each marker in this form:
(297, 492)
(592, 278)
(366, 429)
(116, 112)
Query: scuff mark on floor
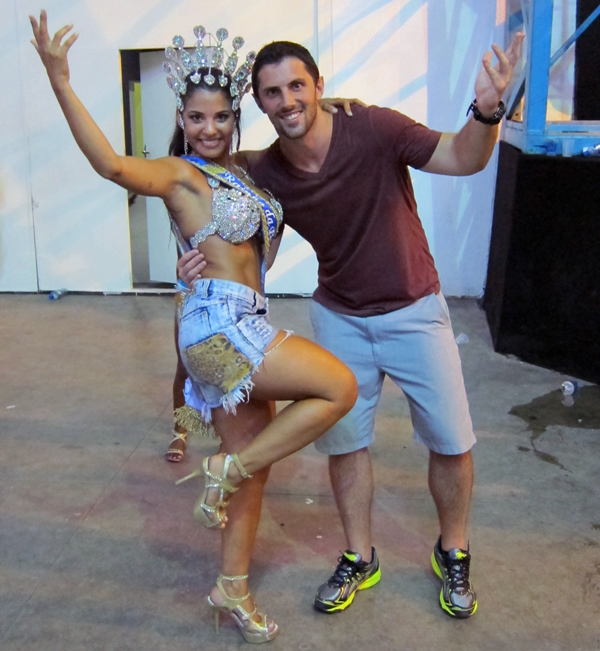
(591, 586)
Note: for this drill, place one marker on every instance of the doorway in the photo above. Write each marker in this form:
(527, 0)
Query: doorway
(149, 119)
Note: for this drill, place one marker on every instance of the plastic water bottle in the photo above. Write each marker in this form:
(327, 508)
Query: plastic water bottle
(57, 293)
(569, 388)
(591, 151)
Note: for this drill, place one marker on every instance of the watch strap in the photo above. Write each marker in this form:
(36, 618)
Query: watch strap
(494, 119)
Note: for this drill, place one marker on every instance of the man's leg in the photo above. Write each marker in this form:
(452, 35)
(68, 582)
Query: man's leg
(420, 355)
(349, 461)
(178, 443)
(451, 483)
(352, 481)
(358, 567)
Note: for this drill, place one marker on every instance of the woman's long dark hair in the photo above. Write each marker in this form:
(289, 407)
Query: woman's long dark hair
(176, 147)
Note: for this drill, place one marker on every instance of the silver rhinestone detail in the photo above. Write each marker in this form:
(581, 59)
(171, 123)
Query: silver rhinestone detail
(235, 217)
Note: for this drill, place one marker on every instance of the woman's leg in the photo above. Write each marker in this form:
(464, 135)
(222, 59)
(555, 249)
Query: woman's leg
(322, 389)
(237, 431)
(177, 446)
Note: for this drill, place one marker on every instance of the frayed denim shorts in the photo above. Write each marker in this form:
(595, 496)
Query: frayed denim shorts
(224, 330)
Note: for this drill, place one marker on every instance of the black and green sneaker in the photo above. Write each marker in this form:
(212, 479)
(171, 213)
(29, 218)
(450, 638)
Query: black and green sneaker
(457, 597)
(351, 574)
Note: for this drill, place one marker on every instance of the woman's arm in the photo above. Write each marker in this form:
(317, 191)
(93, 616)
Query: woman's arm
(159, 178)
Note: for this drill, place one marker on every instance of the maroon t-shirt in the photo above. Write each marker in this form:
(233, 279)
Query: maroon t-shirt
(359, 211)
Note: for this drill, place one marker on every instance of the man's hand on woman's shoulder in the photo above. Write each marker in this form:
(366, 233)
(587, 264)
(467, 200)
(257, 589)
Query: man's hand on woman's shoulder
(330, 104)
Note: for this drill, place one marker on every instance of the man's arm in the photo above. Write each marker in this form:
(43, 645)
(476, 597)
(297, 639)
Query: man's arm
(274, 248)
(248, 158)
(469, 150)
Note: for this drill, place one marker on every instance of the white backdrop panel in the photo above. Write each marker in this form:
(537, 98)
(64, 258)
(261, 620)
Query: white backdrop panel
(17, 247)
(420, 57)
(459, 221)
(82, 221)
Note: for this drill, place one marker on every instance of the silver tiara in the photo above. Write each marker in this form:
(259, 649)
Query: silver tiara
(180, 63)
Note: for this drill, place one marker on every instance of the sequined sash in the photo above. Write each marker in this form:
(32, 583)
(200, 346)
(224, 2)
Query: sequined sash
(270, 220)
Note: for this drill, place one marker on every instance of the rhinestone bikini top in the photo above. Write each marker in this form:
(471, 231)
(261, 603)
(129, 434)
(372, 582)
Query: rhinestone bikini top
(235, 216)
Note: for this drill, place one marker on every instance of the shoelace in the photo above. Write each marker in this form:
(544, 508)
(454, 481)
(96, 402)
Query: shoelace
(458, 571)
(345, 570)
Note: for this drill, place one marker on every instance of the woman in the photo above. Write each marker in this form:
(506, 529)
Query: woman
(229, 348)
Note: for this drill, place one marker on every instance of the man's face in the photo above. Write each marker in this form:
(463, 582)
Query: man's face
(289, 96)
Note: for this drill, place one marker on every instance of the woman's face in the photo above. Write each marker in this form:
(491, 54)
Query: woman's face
(209, 123)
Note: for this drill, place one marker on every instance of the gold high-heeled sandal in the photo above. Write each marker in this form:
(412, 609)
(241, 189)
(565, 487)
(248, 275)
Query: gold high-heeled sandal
(204, 511)
(253, 632)
(175, 455)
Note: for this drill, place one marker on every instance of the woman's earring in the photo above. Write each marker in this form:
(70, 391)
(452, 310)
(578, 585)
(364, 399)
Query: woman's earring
(185, 140)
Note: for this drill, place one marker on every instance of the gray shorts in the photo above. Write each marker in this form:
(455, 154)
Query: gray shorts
(415, 347)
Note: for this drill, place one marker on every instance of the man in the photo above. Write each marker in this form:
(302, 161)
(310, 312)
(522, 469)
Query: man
(344, 186)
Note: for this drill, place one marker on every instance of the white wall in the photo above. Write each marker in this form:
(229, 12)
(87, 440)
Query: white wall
(420, 57)
(17, 251)
(459, 222)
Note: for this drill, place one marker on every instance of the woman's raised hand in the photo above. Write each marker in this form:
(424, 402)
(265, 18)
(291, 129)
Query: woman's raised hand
(52, 52)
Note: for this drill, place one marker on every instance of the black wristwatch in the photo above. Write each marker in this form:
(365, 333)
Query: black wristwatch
(495, 119)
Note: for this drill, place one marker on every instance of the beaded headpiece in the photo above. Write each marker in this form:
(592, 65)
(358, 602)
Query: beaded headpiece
(180, 63)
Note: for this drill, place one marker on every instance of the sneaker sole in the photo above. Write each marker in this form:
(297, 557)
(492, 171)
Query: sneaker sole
(459, 614)
(336, 608)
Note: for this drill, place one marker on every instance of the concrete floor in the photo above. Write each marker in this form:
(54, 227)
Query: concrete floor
(98, 550)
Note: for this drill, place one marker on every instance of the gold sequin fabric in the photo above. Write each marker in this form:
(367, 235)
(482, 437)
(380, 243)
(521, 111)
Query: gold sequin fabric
(193, 421)
(217, 361)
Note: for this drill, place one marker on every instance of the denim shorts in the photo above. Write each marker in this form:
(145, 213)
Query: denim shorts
(223, 332)
(415, 348)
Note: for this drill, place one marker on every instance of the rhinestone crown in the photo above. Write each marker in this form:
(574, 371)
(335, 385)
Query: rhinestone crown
(180, 63)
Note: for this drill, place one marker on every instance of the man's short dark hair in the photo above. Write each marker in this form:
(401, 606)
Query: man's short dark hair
(276, 52)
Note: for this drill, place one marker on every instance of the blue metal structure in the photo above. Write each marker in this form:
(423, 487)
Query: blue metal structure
(534, 134)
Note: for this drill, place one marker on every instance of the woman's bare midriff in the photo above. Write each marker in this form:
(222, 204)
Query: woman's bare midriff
(239, 263)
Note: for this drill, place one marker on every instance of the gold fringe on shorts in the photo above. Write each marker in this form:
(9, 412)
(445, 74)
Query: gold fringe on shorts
(193, 422)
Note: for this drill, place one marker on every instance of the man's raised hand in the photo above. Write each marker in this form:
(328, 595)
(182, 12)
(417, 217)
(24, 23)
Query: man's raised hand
(492, 80)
